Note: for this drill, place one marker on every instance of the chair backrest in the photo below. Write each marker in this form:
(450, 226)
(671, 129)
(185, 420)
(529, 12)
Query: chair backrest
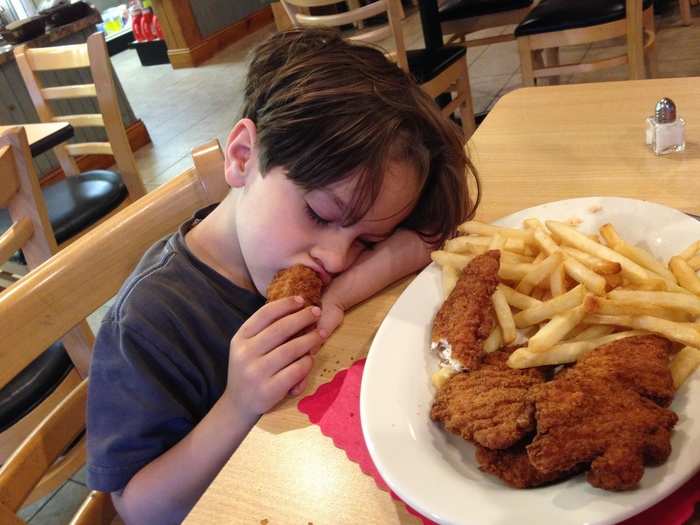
(55, 297)
(358, 17)
(93, 55)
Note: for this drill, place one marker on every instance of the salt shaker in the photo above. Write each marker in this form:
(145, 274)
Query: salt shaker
(665, 130)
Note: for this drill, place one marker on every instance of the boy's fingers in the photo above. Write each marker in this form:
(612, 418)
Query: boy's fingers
(284, 380)
(289, 352)
(299, 387)
(285, 328)
(268, 314)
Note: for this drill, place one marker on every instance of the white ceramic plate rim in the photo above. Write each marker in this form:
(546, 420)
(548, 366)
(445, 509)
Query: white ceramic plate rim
(435, 472)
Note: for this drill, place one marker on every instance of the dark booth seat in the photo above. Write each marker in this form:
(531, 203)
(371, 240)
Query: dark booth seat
(33, 384)
(459, 9)
(75, 203)
(558, 15)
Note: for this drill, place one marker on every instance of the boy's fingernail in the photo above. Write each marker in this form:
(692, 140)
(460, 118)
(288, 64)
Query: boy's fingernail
(299, 299)
(323, 333)
(316, 311)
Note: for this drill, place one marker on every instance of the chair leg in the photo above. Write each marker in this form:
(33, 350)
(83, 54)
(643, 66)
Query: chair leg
(526, 66)
(551, 59)
(650, 58)
(466, 107)
(635, 45)
(686, 17)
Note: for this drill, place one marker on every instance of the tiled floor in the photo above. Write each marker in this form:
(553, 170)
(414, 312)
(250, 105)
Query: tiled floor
(183, 108)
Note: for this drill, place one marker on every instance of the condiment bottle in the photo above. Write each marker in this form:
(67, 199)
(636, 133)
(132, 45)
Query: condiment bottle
(665, 130)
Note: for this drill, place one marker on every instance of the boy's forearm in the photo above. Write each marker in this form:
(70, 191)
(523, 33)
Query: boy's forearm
(166, 489)
(401, 254)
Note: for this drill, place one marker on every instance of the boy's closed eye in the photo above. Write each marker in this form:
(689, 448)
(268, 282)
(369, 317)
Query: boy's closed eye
(367, 243)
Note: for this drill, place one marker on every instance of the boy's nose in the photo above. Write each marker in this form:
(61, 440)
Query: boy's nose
(334, 253)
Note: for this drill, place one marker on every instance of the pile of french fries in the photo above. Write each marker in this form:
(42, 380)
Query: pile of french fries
(564, 293)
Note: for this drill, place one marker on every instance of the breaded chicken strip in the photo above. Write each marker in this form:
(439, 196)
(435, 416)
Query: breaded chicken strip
(513, 466)
(296, 280)
(590, 419)
(639, 363)
(466, 317)
(491, 405)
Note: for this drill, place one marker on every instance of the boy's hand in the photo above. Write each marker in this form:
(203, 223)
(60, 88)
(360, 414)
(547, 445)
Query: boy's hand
(269, 355)
(332, 314)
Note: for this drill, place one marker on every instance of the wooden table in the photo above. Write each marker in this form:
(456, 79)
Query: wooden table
(44, 136)
(537, 145)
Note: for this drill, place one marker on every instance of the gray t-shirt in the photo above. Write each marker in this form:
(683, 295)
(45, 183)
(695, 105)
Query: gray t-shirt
(160, 359)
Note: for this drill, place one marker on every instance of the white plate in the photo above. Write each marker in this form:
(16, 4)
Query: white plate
(435, 472)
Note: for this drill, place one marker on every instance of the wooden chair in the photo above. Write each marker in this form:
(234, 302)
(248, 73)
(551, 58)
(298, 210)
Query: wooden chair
(441, 72)
(41, 383)
(461, 18)
(82, 199)
(52, 299)
(22, 472)
(686, 16)
(556, 23)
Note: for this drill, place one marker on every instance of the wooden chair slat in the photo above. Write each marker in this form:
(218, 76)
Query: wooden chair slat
(89, 148)
(14, 238)
(59, 57)
(66, 92)
(82, 121)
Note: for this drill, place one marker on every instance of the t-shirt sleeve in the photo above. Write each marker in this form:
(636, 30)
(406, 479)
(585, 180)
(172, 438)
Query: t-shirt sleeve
(139, 404)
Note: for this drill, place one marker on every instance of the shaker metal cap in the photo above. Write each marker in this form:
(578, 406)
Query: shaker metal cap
(665, 111)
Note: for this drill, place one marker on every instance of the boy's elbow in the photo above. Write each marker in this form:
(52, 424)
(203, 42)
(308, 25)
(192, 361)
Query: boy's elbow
(137, 510)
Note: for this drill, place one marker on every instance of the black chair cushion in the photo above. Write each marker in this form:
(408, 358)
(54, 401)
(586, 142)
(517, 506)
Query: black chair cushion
(33, 384)
(425, 66)
(558, 15)
(459, 9)
(75, 203)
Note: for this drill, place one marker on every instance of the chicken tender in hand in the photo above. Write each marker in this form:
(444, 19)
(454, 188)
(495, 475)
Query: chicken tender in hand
(296, 280)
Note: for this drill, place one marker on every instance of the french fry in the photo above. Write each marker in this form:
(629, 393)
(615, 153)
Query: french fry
(532, 223)
(608, 232)
(694, 263)
(540, 272)
(557, 328)
(479, 228)
(541, 256)
(683, 364)
(494, 341)
(547, 310)
(479, 244)
(576, 239)
(545, 241)
(613, 280)
(603, 306)
(457, 261)
(504, 316)
(593, 332)
(514, 272)
(498, 242)
(688, 303)
(557, 281)
(578, 272)
(442, 375)
(685, 274)
(512, 257)
(644, 258)
(596, 264)
(466, 245)
(517, 299)
(566, 352)
(691, 250)
(683, 333)
(450, 275)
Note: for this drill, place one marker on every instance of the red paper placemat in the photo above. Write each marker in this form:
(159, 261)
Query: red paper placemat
(335, 408)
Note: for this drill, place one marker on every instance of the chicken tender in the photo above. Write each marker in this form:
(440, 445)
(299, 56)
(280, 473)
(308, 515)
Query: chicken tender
(639, 363)
(513, 466)
(466, 318)
(296, 280)
(489, 406)
(590, 420)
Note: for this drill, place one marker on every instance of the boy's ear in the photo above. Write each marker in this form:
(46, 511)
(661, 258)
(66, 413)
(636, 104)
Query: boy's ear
(241, 153)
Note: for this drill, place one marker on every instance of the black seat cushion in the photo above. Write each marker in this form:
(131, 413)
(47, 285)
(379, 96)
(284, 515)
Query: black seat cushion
(74, 203)
(558, 15)
(33, 384)
(426, 65)
(459, 9)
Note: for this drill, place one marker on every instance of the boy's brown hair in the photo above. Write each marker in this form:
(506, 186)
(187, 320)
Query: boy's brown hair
(326, 109)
